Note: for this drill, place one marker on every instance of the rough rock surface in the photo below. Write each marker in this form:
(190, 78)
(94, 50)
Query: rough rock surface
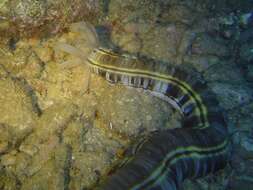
(62, 127)
(45, 17)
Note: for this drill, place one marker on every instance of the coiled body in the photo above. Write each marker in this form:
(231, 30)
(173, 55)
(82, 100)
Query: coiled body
(163, 159)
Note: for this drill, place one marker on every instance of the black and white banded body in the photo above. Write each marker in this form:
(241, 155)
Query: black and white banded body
(165, 158)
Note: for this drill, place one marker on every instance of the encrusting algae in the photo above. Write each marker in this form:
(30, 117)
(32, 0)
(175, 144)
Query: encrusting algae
(72, 104)
(63, 126)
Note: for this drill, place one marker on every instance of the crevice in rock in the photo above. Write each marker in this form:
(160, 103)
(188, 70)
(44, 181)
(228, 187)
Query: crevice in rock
(67, 167)
(30, 92)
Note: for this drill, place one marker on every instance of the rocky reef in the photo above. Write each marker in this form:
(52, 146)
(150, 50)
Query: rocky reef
(61, 127)
(45, 17)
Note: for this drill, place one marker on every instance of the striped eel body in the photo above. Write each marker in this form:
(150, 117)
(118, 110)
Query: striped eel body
(163, 159)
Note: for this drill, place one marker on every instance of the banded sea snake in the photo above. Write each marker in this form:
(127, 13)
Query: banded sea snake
(162, 159)
(165, 158)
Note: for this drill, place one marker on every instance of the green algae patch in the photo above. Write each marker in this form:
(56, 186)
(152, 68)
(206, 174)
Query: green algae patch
(16, 105)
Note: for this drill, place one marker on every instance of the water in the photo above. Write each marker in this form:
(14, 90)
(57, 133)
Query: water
(63, 127)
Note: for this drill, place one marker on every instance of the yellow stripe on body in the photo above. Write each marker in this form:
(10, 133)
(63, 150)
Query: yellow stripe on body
(158, 76)
(112, 54)
(196, 153)
(201, 111)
